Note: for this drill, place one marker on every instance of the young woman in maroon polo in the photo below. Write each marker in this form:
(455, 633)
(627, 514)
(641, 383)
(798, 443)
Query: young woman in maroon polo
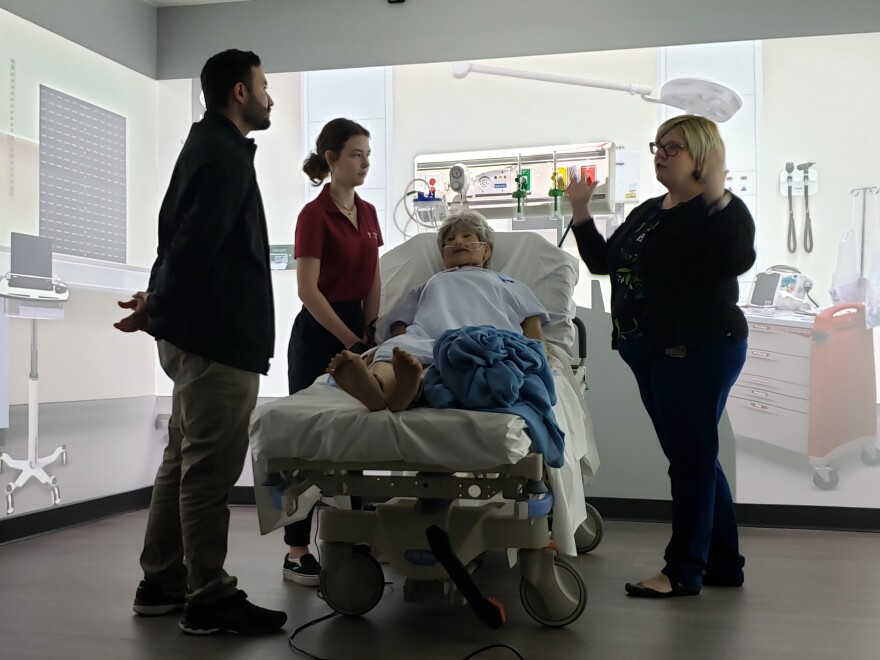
(337, 265)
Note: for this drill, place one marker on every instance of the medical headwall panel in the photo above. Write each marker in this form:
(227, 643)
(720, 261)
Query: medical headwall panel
(494, 177)
(82, 177)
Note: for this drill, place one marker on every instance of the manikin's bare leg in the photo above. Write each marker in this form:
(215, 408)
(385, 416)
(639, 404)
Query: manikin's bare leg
(350, 372)
(407, 381)
(394, 385)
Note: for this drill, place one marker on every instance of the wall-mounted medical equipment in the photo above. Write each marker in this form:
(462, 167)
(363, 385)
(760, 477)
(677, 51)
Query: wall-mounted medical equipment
(695, 96)
(460, 179)
(520, 185)
(29, 291)
(799, 181)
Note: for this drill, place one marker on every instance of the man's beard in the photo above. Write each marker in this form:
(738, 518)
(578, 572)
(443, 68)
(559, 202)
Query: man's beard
(257, 115)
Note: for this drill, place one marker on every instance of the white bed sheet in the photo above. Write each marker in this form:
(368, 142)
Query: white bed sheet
(323, 423)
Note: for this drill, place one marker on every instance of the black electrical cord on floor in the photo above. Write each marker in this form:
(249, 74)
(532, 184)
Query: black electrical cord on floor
(296, 632)
(493, 646)
(326, 617)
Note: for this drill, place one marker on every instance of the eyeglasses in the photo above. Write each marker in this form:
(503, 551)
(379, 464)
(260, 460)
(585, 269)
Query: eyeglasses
(470, 247)
(671, 149)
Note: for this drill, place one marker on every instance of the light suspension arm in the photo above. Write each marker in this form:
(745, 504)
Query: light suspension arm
(693, 95)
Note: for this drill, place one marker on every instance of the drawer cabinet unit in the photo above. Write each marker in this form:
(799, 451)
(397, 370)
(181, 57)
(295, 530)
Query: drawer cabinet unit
(808, 386)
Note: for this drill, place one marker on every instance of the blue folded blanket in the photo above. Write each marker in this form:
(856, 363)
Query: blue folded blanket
(485, 368)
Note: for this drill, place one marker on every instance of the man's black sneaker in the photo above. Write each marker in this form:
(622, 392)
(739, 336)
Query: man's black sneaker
(233, 614)
(305, 571)
(150, 600)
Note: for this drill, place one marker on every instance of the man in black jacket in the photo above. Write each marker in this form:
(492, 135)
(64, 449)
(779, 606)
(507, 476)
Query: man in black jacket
(209, 306)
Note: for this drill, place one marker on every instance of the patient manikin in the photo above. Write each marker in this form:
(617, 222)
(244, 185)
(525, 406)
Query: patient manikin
(466, 293)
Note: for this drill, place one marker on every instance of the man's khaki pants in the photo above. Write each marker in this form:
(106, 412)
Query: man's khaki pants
(185, 544)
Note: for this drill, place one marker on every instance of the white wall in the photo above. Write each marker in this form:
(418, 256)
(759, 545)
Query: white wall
(80, 356)
(821, 100)
(44, 58)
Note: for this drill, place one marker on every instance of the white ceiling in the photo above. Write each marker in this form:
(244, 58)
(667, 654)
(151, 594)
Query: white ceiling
(180, 3)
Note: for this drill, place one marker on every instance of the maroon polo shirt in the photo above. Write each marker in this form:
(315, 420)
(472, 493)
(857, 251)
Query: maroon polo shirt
(348, 255)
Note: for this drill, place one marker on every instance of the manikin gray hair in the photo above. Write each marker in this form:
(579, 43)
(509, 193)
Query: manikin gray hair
(472, 220)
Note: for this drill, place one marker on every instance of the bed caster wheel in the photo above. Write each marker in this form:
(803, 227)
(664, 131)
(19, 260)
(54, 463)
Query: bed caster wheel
(826, 478)
(871, 456)
(354, 585)
(63, 455)
(10, 505)
(55, 495)
(589, 534)
(561, 608)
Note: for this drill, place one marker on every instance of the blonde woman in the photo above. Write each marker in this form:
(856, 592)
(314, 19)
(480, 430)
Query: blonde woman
(674, 265)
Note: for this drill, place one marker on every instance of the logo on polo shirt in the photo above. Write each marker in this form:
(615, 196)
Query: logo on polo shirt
(373, 234)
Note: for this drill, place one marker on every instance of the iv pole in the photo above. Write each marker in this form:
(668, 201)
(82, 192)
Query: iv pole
(864, 192)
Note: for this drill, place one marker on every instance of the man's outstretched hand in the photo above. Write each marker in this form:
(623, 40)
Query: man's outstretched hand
(138, 319)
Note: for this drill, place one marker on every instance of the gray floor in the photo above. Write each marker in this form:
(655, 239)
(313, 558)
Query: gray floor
(808, 595)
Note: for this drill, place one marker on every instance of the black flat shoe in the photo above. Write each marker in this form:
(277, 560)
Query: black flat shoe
(639, 590)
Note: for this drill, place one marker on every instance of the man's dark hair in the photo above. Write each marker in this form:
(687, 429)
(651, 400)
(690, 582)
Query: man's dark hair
(223, 72)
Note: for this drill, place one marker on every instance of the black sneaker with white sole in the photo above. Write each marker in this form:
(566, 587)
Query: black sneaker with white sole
(151, 600)
(233, 614)
(305, 571)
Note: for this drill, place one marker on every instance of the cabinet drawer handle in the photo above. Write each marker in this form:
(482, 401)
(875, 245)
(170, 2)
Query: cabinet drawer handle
(801, 333)
(763, 354)
(758, 406)
(758, 379)
(760, 393)
(760, 326)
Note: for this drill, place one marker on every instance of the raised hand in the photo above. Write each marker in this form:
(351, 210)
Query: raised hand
(579, 192)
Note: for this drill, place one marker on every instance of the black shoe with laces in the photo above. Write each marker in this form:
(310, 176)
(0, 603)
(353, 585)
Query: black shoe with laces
(151, 600)
(233, 614)
(305, 571)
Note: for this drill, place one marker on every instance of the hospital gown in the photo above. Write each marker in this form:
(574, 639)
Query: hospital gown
(454, 298)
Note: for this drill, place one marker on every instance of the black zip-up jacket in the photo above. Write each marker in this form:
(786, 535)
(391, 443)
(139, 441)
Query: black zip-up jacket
(689, 269)
(211, 286)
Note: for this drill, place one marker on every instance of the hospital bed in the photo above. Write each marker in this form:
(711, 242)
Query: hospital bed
(472, 474)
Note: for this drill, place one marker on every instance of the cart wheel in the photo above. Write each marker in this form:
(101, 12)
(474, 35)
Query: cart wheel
(10, 505)
(63, 455)
(356, 586)
(557, 612)
(826, 483)
(871, 456)
(55, 494)
(589, 534)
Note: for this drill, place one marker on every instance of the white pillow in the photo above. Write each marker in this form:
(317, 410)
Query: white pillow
(551, 273)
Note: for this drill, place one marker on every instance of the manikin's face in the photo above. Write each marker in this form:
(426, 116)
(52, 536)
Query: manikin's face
(678, 170)
(259, 104)
(351, 167)
(464, 248)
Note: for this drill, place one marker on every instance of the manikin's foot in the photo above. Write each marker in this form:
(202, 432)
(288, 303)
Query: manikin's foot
(350, 372)
(407, 380)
